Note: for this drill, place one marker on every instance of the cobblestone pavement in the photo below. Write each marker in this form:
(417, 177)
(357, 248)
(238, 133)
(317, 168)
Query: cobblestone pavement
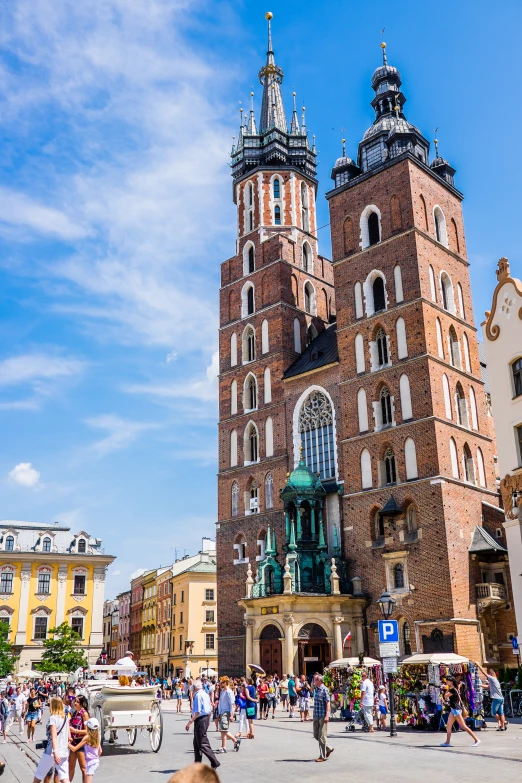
(285, 750)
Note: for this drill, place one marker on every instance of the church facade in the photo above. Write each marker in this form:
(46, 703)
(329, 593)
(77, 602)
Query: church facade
(355, 448)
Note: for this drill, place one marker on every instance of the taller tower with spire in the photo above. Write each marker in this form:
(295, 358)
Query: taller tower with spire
(276, 295)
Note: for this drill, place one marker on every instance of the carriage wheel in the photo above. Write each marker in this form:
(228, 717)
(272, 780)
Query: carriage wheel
(99, 716)
(156, 730)
(132, 734)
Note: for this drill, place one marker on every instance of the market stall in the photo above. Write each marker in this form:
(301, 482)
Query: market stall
(418, 685)
(343, 680)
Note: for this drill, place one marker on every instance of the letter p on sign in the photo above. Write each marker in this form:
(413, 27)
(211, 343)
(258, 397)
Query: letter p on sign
(388, 631)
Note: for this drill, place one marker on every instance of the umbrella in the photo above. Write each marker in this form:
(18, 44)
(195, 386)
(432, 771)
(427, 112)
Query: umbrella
(29, 673)
(255, 668)
(353, 662)
(439, 657)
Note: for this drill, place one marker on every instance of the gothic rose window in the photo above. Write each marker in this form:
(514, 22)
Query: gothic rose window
(317, 436)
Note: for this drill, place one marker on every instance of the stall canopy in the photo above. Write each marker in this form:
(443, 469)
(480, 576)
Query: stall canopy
(445, 658)
(345, 662)
(29, 673)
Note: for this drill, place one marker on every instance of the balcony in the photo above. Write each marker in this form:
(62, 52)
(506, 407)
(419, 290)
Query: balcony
(490, 593)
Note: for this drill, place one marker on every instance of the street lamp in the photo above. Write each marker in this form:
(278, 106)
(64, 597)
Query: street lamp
(207, 666)
(387, 605)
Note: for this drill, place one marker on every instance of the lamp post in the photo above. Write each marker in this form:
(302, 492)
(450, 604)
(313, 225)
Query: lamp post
(207, 667)
(387, 605)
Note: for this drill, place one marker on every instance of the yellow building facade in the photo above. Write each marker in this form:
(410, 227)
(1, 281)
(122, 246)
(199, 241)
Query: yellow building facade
(148, 621)
(193, 648)
(49, 575)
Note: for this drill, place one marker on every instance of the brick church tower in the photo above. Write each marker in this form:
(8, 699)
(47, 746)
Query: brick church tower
(276, 295)
(419, 472)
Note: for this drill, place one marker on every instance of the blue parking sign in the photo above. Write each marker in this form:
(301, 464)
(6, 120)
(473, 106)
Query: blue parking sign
(388, 631)
(514, 643)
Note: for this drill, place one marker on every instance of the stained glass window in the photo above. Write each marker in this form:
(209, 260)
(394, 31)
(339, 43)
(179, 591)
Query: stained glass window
(317, 436)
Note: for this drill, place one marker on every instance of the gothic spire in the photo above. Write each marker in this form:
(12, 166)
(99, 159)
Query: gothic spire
(271, 76)
(252, 129)
(294, 125)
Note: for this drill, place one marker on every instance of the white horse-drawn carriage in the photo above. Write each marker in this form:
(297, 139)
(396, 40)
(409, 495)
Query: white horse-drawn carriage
(123, 707)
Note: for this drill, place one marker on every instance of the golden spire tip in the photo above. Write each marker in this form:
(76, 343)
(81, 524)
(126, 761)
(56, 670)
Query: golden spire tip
(269, 15)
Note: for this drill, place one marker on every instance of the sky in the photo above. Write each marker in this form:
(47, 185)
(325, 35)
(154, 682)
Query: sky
(116, 122)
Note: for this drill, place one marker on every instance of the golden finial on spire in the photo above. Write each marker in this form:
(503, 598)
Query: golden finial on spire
(269, 15)
(383, 47)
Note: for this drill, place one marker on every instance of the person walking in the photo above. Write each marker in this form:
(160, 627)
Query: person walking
(263, 690)
(200, 718)
(292, 694)
(251, 706)
(283, 692)
(321, 717)
(91, 748)
(497, 697)
(272, 695)
(383, 707)
(4, 714)
(78, 732)
(178, 690)
(56, 753)
(368, 698)
(303, 690)
(19, 702)
(31, 715)
(225, 706)
(452, 696)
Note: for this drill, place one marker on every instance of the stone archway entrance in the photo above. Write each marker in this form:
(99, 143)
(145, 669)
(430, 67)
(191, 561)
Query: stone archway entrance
(270, 649)
(314, 651)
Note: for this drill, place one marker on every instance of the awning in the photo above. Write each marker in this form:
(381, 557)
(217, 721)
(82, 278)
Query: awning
(446, 658)
(354, 661)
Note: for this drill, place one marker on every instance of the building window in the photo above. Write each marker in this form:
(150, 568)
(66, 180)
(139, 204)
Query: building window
(379, 299)
(390, 469)
(386, 407)
(462, 407)
(81, 546)
(251, 444)
(250, 300)
(240, 550)
(518, 431)
(277, 216)
(411, 519)
(182, 599)
(79, 584)
(406, 638)
(448, 301)
(441, 233)
(454, 349)
(250, 398)
(382, 348)
(469, 467)
(40, 627)
(269, 491)
(378, 526)
(46, 546)
(249, 345)
(209, 616)
(6, 582)
(209, 641)
(235, 499)
(304, 207)
(516, 368)
(317, 435)
(9, 543)
(253, 500)
(309, 298)
(181, 643)
(209, 594)
(181, 618)
(77, 625)
(398, 576)
(277, 188)
(251, 264)
(374, 234)
(44, 583)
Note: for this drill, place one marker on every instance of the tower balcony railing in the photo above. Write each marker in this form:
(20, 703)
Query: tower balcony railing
(491, 592)
(260, 590)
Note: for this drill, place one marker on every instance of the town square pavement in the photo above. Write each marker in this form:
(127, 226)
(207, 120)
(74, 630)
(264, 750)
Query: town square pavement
(284, 750)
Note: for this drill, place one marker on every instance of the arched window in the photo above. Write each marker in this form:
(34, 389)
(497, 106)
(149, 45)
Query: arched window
(465, 343)
(446, 289)
(247, 300)
(460, 299)
(433, 291)
(309, 298)
(382, 348)
(46, 546)
(386, 407)
(454, 459)
(277, 215)
(390, 467)
(311, 334)
(410, 459)
(440, 342)
(276, 188)
(264, 337)
(305, 222)
(251, 263)
(405, 392)
(424, 213)
(398, 576)
(374, 232)
(250, 393)
(359, 354)
(469, 467)
(233, 350)
(306, 258)
(81, 546)
(516, 370)
(462, 406)
(261, 545)
(267, 385)
(411, 519)
(251, 443)
(233, 398)
(441, 233)
(454, 348)
(348, 235)
(233, 449)
(362, 410)
(252, 499)
(473, 408)
(9, 543)
(297, 335)
(249, 345)
(406, 639)
(378, 526)
(269, 437)
(269, 491)
(447, 397)
(250, 300)
(235, 499)
(366, 469)
(317, 434)
(397, 277)
(481, 470)
(358, 300)
(379, 299)
(455, 236)
(402, 343)
(240, 546)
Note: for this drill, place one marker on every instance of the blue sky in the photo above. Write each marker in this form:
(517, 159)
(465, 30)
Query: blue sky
(116, 120)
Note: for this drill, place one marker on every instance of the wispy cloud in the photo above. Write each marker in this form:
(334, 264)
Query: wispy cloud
(17, 209)
(121, 433)
(34, 367)
(203, 388)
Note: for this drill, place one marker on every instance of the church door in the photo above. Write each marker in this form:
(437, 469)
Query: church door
(271, 651)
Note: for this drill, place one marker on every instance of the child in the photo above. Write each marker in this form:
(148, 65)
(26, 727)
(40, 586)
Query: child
(91, 747)
(179, 696)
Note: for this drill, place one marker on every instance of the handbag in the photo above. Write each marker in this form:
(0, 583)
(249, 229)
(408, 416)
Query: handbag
(251, 711)
(47, 743)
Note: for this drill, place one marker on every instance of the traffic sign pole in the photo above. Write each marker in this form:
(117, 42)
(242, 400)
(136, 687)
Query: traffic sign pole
(393, 720)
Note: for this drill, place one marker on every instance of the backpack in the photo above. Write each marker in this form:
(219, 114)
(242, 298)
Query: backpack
(4, 708)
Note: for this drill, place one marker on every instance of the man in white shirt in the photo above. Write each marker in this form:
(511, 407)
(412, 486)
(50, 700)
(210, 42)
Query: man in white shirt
(19, 708)
(127, 660)
(368, 698)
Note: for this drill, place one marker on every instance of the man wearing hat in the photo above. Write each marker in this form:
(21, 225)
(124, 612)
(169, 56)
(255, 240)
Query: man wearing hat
(127, 660)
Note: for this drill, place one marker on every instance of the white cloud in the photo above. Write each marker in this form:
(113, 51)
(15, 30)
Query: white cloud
(25, 475)
(203, 389)
(121, 433)
(135, 574)
(19, 210)
(115, 573)
(37, 366)
(171, 357)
